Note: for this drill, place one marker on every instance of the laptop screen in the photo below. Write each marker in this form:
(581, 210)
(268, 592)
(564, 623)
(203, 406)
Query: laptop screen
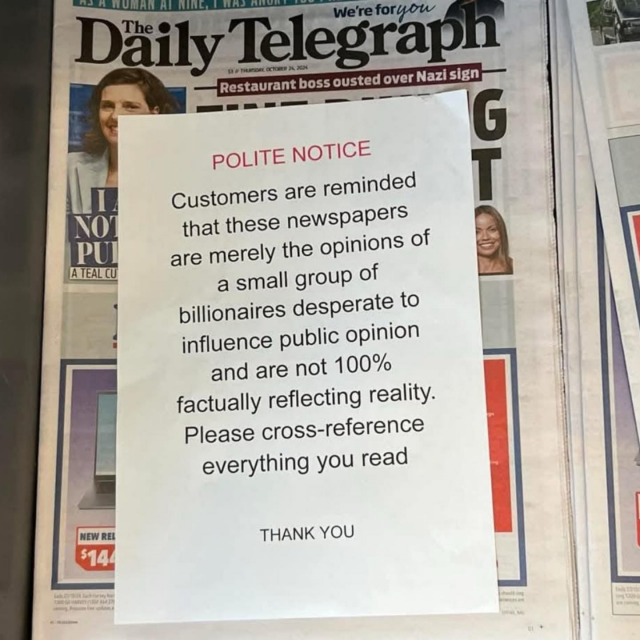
(106, 435)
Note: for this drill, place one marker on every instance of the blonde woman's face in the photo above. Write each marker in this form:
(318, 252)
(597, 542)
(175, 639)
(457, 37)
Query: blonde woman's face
(120, 100)
(487, 236)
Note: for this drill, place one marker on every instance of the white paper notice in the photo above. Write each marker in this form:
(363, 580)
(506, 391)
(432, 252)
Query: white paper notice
(301, 415)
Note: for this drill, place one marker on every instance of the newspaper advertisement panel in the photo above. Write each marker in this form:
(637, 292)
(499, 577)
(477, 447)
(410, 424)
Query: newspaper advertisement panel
(115, 58)
(606, 41)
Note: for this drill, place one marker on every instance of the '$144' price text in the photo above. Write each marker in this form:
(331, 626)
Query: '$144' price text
(96, 548)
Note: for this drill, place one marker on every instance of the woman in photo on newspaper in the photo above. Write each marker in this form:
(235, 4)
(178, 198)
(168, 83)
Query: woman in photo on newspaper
(121, 92)
(492, 242)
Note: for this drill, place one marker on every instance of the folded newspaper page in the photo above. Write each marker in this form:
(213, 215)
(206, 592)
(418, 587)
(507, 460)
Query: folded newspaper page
(604, 442)
(116, 58)
(572, 161)
(610, 467)
(602, 428)
(606, 41)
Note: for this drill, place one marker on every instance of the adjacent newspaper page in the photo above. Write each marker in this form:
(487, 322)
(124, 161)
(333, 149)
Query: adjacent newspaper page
(130, 57)
(602, 428)
(606, 40)
(611, 446)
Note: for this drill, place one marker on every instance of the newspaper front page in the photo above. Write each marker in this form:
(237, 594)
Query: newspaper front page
(606, 41)
(115, 58)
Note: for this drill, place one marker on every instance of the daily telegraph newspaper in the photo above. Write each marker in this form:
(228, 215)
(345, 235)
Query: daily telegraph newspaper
(606, 41)
(117, 58)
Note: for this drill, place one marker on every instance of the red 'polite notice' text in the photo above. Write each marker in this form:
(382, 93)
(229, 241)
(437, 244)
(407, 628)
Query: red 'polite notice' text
(304, 153)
